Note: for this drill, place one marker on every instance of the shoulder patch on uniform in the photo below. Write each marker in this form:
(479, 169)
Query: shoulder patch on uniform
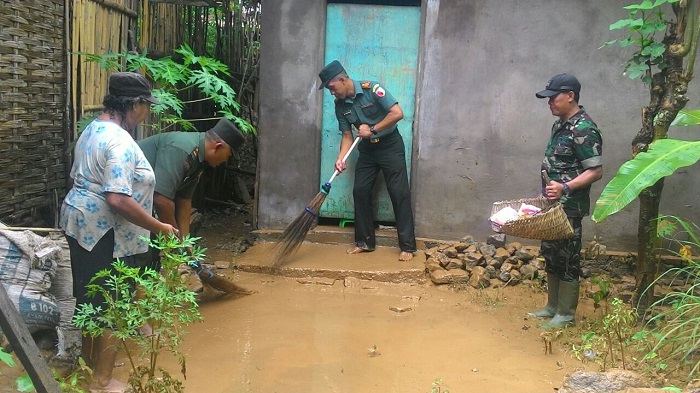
(365, 84)
(378, 90)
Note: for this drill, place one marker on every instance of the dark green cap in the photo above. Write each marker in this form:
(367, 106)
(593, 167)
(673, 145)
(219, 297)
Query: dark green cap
(229, 133)
(329, 72)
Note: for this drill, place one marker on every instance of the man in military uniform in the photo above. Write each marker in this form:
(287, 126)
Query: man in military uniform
(573, 161)
(178, 160)
(374, 112)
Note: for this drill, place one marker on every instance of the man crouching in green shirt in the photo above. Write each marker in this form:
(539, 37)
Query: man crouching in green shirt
(178, 160)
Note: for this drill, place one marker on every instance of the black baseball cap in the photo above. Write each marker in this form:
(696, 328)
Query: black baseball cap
(558, 84)
(329, 72)
(131, 84)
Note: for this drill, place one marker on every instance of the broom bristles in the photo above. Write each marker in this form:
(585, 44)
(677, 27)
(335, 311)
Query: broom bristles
(222, 284)
(294, 235)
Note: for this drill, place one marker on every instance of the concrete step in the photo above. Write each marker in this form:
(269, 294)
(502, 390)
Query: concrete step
(329, 234)
(329, 260)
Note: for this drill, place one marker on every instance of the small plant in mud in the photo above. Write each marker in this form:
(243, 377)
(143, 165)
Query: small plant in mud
(606, 340)
(487, 297)
(373, 351)
(22, 383)
(595, 248)
(76, 379)
(71, 383)
(602, 293)
(438, 387)
(163, 302)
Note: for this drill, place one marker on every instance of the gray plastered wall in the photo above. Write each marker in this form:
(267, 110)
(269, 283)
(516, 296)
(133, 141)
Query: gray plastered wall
(479, 131)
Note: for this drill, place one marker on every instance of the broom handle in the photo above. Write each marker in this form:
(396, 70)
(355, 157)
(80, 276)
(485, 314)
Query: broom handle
(345, 157)
(196, 265)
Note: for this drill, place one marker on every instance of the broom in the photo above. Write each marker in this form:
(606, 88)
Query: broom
(217, 282)
(294, 234)
(212, 280)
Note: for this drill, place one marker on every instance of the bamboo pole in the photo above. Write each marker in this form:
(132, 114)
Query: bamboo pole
(117, 7)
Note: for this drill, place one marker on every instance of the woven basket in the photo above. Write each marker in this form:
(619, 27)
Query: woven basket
(549, 224)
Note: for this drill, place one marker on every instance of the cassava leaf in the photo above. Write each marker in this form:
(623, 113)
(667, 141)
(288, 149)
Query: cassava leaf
(24, 383)
(6, 358)
(663, 158)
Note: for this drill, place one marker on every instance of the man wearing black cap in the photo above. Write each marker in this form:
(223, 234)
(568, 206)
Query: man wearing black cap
(573, 161)
(178, 160)
(374, 112)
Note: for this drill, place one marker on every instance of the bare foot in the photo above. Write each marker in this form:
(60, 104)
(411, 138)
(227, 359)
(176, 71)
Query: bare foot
(113, 386)
(405, 256)
(357, 250)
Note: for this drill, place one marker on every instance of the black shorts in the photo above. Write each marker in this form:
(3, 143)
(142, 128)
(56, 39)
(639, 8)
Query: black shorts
(85, 264)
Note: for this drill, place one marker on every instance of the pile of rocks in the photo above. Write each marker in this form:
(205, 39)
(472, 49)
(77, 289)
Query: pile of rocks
(480, 264)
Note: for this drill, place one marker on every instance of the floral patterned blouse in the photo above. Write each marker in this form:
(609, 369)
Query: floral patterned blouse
(107, 159)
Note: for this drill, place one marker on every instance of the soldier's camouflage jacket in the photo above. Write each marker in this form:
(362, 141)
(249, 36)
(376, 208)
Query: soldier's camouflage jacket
(574, 146)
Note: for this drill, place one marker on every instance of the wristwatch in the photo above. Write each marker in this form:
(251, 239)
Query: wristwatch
(565, 190)
(372, 130)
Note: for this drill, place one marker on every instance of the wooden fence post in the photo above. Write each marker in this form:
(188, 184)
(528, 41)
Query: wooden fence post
(24, 346)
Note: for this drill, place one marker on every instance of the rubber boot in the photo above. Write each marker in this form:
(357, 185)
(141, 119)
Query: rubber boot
(550, 309)
(566, 308)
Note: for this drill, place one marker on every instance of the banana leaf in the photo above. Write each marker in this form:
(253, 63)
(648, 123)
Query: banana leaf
(687, 117)
(663, 157)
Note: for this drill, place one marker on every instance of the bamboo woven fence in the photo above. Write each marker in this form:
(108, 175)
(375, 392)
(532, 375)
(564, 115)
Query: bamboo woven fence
(98, 26)
(32, 108)
(45, 86)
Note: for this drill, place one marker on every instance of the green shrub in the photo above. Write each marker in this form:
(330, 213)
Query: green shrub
(677, 324)
(164, 302)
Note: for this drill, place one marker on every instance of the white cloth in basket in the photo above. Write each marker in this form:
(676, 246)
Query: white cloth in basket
(504, 215)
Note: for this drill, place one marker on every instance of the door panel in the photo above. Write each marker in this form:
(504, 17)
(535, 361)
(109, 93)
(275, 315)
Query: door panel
(373, 42)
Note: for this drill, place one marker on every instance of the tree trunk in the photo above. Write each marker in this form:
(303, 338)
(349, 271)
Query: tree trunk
(667, 97)
(647, 260)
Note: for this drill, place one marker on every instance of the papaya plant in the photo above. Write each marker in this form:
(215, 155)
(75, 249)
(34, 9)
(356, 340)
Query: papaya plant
(207, 75)
(664, 56)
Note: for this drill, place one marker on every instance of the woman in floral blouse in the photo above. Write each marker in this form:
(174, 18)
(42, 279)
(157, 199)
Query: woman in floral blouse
(107, 213)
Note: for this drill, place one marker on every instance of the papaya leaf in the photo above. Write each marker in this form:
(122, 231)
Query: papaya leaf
(663, 158)
(687, 117)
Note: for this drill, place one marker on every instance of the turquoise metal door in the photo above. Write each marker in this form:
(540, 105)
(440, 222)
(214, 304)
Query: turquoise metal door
(373, 42)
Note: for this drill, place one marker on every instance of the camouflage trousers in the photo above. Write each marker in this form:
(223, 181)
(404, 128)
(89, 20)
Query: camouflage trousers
(563, 256)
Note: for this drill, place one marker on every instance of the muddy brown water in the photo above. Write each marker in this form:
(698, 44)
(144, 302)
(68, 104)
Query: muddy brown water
(329, 334)
(333, 334)
(301, 336)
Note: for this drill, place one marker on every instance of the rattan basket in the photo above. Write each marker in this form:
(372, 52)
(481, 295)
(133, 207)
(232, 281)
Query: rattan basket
(549, 224)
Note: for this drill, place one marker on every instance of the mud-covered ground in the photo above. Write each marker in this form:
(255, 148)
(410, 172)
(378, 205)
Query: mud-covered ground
(319, 335)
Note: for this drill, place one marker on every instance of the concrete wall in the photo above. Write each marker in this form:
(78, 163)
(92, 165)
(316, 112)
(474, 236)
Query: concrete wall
(479, 132)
